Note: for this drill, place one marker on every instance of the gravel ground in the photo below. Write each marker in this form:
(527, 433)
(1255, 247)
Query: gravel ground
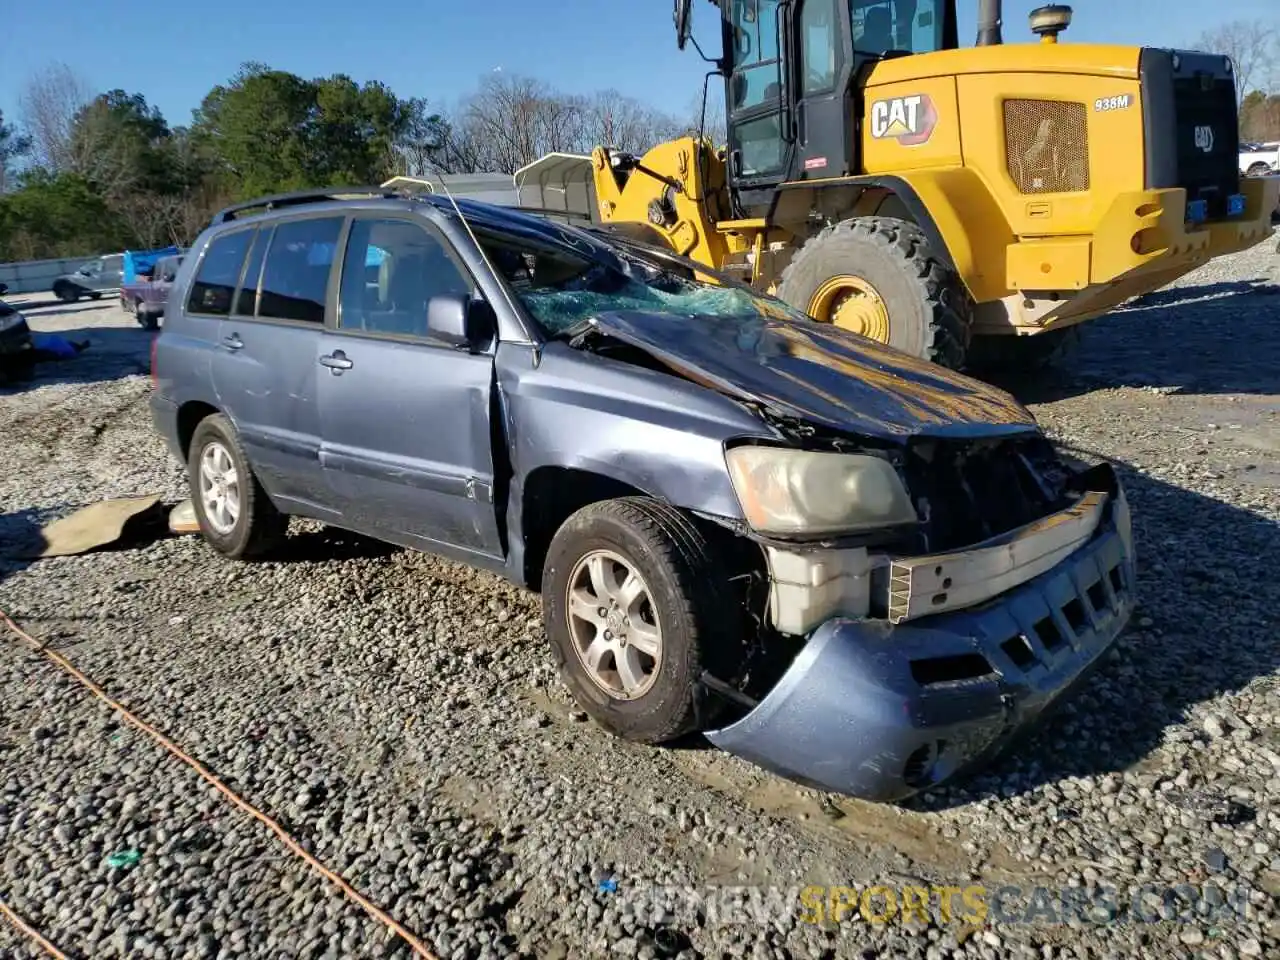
(399, 715)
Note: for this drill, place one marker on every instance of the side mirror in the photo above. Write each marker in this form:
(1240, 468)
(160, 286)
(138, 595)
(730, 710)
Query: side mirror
(684, 24)
(460, 321)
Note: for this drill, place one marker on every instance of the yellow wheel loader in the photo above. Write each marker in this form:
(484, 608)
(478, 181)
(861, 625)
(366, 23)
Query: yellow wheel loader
(970, 206)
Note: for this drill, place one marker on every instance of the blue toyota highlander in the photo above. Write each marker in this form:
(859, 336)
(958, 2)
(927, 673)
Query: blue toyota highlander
(859, 570)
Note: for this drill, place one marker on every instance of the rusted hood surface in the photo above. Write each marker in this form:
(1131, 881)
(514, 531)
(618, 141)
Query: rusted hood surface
(822, 374)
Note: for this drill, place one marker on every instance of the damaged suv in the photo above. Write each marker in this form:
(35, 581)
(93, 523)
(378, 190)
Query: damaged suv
(858, 570)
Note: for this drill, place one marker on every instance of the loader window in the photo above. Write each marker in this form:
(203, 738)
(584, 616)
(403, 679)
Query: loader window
(756, 77)
(818, 39)
(908, 26)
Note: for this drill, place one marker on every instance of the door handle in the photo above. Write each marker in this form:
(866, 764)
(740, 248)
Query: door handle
(336, 361)
(233, 342)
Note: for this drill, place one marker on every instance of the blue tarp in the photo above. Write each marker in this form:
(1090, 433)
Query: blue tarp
(138, 260)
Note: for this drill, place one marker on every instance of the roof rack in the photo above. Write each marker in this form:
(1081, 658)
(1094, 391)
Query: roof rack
(298, 197)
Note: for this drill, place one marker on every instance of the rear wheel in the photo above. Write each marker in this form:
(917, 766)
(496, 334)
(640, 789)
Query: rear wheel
(66, 292)
(236, 516)
(636, 605)
(879, 277)
(1259, 169)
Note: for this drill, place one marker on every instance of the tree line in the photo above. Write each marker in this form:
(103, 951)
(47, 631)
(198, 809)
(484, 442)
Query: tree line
(84, 172)
(1254, 49)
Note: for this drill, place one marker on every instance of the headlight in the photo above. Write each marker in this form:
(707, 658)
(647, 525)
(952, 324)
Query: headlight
(9, 321)
(795, 491)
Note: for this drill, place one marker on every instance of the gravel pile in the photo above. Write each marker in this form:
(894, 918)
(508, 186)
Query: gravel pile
(397, 713)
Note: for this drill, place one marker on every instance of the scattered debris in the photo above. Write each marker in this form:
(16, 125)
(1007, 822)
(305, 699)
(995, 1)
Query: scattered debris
(49, 346)
(98, 525)
(182, 518)
(123, 858)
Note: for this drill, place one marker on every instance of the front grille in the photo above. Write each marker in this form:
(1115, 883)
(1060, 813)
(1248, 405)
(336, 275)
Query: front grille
(1047, 145)
(1208, 139)
(968, 492)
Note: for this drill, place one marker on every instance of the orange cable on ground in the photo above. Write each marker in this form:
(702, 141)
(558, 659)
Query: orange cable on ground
(369, 907)
(22, 925)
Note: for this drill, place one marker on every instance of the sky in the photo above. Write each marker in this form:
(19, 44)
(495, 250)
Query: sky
(441, 50)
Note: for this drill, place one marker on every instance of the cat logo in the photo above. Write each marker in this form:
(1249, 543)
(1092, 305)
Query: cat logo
(909, 120)
(1204, 139)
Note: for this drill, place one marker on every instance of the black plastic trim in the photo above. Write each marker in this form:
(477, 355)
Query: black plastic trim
(1159, 119)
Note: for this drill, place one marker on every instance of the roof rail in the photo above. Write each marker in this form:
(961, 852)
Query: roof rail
(298, 197)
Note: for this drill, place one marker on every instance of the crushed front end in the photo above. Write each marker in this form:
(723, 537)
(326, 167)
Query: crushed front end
(917, 656)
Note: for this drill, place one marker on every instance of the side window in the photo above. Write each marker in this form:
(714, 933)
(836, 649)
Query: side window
(756, 76)
(218, 274)
(818, 46)
(296, 273)
(247, 298)
(390, 271)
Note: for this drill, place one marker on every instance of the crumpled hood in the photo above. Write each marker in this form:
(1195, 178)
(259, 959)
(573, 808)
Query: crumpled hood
(820, 373)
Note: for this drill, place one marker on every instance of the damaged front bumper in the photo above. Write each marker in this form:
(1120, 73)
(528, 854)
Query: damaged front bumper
(881, 711)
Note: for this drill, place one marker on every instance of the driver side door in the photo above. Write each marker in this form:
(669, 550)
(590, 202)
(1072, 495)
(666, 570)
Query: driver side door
(405, 420)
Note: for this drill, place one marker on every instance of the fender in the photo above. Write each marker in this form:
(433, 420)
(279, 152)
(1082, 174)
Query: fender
(953, 206)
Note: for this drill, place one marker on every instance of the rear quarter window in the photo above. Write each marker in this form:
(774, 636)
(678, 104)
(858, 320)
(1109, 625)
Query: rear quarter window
(219, 272)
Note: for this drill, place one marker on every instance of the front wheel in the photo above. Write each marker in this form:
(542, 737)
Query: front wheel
(66, 292)
(636, 605)
(235, 515)
(1259, 169)
(881, 278)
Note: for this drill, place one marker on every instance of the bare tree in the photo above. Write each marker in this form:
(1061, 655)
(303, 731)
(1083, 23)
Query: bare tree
(712, 125)
(49, 104)
(100, 152)
(610, 119)
(1252, 47)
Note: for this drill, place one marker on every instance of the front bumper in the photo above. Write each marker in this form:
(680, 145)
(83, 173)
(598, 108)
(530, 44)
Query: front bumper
(880, 712)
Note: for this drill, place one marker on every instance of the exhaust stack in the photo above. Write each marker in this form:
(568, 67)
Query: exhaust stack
(989, 23)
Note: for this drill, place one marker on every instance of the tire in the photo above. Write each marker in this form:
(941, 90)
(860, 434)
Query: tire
(149, 319)
(700, 623)
(95, 294)
(258, 526)
(1258, 169)
(66, 292)
(1016, 355)
(930, 313)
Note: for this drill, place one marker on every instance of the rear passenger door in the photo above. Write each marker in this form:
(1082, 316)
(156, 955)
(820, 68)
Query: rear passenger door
(265, 365)
(404, 419)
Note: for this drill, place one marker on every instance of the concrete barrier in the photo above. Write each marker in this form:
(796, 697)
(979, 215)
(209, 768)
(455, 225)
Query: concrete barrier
(28, 276)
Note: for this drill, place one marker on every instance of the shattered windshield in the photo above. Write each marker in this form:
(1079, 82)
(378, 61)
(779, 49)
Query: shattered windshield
(564, 285)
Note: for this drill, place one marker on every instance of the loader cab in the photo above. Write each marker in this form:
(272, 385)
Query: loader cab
(793, 71)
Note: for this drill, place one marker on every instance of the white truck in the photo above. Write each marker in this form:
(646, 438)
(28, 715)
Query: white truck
(1259, 159)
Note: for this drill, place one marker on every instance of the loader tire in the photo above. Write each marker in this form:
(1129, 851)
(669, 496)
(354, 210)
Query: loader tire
(879, 277)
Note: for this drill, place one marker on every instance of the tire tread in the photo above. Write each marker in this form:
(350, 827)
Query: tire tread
(701, 587)
(948, 331)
